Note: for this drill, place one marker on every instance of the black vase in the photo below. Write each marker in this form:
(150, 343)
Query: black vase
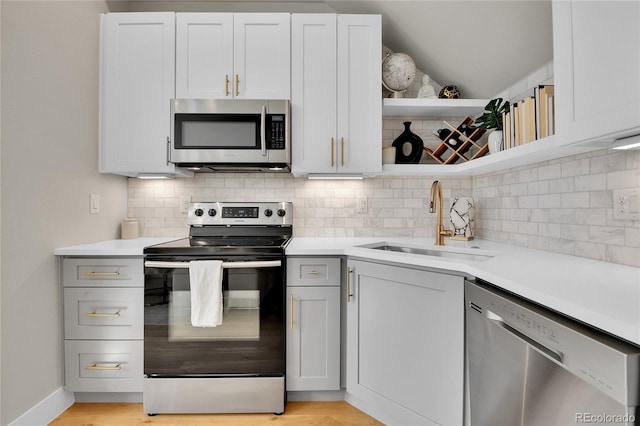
(417, 146)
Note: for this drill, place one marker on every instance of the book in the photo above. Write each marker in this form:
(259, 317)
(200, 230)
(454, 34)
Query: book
(506, 130)
(544, 92)
(512, 117)
(517, 124)
(536, 96)
(551, 129)
(530, 119)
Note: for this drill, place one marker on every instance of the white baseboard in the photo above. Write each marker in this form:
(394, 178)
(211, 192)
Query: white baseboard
(316, 395)
(46, 410)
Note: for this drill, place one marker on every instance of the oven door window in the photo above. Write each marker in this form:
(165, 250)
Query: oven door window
(240, 312)
(217, 131)
(250, 339)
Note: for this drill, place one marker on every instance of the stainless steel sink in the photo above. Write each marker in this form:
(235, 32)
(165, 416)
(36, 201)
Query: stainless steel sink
(429, 252)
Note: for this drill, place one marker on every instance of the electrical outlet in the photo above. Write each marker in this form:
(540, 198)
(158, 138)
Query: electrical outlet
(626, 204)
(363, 205)
(184, 203)
(94, 203)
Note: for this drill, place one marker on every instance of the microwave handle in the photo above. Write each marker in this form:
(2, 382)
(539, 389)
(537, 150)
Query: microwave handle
(263, 129)
(168, 150)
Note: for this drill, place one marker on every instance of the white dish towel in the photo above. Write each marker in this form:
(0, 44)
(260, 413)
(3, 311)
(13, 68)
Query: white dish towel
(205, 278)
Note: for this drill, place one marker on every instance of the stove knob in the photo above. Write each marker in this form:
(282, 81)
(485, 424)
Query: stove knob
(199, 212)
(268, 212)
(212, 212)
(281, 212)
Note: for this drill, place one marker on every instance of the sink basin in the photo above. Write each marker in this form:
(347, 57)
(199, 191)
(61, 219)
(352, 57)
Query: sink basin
(429, 252)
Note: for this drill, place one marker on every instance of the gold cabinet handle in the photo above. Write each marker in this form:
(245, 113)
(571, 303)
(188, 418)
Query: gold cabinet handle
(332, 152)
(97, 366)
(226, 84)
(342, 151)
(102, 314)
(101, 274)
(349, 294)
(313, 273)
(291, 312)
(237, 84)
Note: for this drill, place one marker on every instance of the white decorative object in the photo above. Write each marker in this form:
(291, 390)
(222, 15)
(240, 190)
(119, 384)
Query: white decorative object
(398, 72)
(462, 216)
(427, 90)
(495, 141)
(389, 155)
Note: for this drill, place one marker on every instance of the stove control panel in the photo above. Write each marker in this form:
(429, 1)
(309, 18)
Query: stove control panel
(240, 213)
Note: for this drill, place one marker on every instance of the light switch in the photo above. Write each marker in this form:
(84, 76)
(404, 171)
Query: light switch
(94, 204)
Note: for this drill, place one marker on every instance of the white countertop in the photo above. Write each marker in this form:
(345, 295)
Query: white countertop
(605, 295)
(602, 294)
(131, 247)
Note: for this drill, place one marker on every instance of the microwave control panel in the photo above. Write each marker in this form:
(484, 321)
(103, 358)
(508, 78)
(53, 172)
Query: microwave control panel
(276, 137)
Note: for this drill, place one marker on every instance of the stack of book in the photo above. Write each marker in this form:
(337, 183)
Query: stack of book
(530, 118)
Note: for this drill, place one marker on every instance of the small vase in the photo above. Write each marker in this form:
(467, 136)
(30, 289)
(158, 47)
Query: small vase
(417, 146)
(495, 141)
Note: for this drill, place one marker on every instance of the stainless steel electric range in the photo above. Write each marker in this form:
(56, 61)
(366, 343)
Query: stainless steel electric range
(237, 366)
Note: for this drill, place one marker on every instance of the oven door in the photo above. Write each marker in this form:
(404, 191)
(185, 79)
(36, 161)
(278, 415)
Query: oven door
(250, 340)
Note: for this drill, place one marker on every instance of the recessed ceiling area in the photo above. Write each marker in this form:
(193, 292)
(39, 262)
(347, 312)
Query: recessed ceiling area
(481, 46)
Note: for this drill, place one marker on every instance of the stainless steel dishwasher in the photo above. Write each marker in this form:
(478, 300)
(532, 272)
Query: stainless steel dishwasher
(528, 365)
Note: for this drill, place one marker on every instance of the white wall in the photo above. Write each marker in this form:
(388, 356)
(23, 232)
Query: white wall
(49, 163)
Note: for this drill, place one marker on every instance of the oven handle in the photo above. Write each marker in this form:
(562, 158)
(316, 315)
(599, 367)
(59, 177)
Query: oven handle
(227, 265)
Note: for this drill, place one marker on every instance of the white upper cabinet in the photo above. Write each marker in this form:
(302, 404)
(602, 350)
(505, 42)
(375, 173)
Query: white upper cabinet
(136, 85)
(336, 104)
(597, 70)
(233, 55)
(204, 55)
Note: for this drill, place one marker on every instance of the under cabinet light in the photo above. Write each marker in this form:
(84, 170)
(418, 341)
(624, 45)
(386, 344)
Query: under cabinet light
(632, 142)
(154, 177)
(335, 177)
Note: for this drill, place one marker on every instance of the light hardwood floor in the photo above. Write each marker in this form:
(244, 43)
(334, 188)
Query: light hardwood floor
(332, 413)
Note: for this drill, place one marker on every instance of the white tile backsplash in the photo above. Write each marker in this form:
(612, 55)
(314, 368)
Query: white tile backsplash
(569, 202)
(563, 205)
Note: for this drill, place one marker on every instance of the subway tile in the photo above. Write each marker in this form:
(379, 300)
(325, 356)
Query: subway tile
(562, 205)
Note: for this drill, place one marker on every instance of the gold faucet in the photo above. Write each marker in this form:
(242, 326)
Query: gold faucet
(435, 201)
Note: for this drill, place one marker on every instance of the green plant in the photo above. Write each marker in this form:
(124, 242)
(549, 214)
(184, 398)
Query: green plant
(492, 115)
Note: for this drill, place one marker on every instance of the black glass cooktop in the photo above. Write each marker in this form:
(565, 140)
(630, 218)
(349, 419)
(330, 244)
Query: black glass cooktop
(222, 240)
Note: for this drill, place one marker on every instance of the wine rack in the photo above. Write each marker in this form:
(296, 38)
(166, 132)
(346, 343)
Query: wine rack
(463, 142)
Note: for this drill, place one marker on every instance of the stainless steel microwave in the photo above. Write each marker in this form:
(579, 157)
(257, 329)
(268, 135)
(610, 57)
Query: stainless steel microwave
(230, 134)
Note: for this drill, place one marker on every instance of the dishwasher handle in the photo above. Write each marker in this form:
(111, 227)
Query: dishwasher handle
(544, 350)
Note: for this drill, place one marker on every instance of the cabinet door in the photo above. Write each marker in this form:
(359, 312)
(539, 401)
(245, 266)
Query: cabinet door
(313, 338)
(313, 93)
(103, 313)
(137, 83)
(359, 137)
(313, 271)
(103, 366)
(405, 350)
(262, 55)
(204, 55)
(597, 73)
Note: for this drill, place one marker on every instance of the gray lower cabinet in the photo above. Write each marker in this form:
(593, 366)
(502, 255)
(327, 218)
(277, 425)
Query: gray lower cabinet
(405, 347)
(103, 300)
(313, 324)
